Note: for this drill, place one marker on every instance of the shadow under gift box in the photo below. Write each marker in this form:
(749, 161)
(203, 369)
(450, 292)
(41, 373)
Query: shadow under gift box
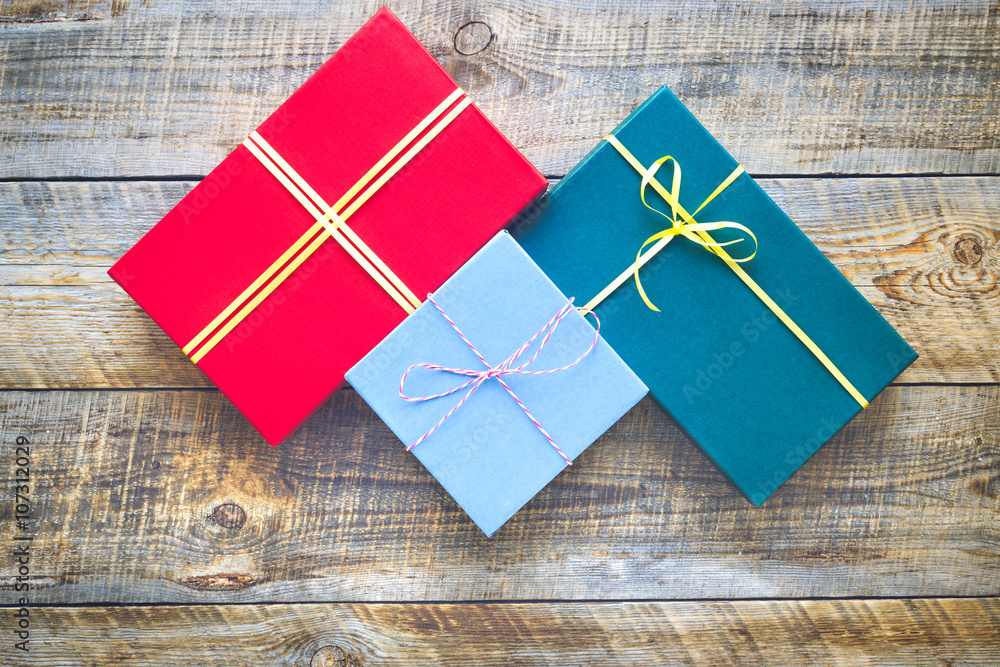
(488, 454)
(732, 375)
(288, 353)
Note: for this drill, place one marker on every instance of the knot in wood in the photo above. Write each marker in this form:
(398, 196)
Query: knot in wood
(473, 37)
(229, 515)
(333, 656)
(968, 251)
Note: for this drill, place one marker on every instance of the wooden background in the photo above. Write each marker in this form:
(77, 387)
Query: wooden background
(168, 532)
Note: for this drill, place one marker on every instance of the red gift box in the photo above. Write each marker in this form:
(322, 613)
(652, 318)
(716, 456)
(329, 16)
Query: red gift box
(308, 244)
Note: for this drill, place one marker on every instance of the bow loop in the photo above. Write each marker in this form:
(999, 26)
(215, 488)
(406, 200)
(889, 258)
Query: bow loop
(506, 367)
(675, 189)
(683, 223)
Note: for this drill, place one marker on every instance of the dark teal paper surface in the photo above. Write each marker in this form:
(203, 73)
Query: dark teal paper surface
(734, 377)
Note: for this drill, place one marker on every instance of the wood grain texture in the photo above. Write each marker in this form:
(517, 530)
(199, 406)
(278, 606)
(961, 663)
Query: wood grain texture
(924, 251)
(829, 86)
(134, 494)
(333, 543)
(859, 633)
(42, 11)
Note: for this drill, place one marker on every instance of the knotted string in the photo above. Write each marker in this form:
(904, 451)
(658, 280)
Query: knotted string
(684, 223)
(505, 367)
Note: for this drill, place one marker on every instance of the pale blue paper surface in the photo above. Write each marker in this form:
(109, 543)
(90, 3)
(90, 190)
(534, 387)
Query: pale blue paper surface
(488, 455)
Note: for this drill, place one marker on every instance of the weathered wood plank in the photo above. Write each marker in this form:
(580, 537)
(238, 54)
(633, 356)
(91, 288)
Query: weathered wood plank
(168, 88)
(128, 487)
(39, 11)
(922, 250)
(859, 633)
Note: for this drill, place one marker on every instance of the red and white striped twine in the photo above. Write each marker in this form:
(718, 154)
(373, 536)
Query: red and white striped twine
(506, 367)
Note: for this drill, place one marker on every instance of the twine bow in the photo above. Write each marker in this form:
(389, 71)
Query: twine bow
(505, 367)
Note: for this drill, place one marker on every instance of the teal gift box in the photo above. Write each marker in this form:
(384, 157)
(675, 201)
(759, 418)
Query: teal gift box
(727, 366)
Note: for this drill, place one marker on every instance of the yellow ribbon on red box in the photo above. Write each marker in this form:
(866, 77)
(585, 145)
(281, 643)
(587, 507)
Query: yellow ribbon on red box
(330, 222)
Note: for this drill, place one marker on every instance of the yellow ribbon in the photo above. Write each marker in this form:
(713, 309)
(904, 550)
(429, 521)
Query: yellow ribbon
(685, 225)
(699, 233)
(330, 222)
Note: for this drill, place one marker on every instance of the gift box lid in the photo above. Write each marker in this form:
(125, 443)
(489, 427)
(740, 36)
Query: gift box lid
(732, 375)
(245, 274)
(488, 454)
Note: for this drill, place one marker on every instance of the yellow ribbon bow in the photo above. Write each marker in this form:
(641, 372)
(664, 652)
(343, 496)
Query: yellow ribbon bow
(684, 223)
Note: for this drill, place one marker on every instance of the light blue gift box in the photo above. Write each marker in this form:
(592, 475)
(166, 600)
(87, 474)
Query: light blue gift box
(488, 454)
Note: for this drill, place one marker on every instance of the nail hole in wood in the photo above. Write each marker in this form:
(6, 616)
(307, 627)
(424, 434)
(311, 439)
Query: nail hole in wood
(333, 656)
(229, 515)
(473, 37)
(968, 251)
